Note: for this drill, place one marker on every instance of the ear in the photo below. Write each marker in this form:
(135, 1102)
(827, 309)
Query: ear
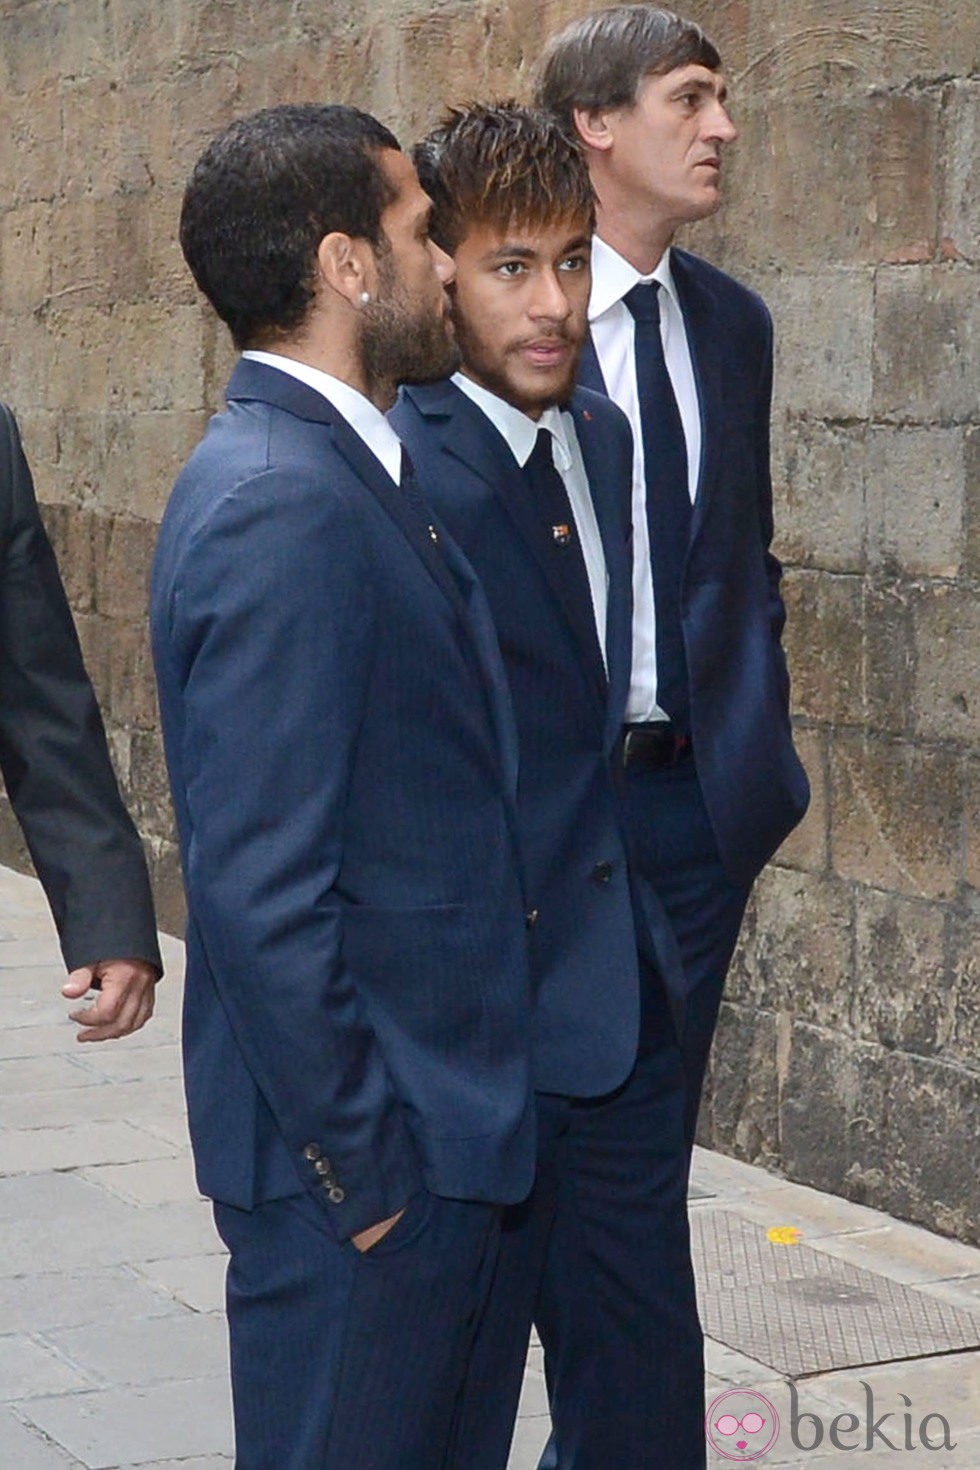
(592, 127)
(346, 266)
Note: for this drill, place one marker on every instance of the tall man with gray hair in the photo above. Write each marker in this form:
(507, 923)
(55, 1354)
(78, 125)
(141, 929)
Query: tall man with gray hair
(710, 781)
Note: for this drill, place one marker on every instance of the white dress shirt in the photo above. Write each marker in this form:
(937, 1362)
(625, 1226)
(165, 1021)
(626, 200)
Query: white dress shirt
(367, 421)
(520, 434)
(613, 332)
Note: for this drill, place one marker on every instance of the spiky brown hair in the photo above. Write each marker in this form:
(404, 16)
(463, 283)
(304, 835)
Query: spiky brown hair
(501, 164)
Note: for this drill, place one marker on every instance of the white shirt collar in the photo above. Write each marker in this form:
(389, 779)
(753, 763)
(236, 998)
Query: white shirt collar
(613, 276)
(367, 421)
(514, 425)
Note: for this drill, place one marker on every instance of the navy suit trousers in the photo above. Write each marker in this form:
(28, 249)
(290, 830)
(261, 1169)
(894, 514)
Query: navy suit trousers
(344, 1361)
(673, 849)
(600, 1253)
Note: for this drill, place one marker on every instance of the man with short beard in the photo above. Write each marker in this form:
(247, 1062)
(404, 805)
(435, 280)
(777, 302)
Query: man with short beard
(343, 764)
(532, 476)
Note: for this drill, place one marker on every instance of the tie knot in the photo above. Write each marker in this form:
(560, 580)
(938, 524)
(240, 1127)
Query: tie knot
(542, 455)
(642, 301)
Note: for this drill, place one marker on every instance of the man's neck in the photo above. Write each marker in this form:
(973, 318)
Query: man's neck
(340, 360)
(630, 227)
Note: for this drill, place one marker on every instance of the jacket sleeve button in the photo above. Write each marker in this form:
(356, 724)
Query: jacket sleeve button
(312, 1152)
(335, 1194)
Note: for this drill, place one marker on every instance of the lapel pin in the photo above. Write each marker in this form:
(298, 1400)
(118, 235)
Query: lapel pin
(561, 535)
(434, 535)
(586, 415)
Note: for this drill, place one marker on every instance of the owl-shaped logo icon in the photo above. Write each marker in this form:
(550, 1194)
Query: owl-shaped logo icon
(742, 1425)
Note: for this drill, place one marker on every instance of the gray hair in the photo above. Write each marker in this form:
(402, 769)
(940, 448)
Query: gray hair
(600, 60)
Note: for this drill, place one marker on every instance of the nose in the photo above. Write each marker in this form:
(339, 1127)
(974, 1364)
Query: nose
(445, 266)
(721, 126)
(549, 300)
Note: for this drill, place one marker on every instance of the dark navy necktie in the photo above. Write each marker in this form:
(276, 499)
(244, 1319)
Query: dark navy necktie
(550, 499)
(668, 498)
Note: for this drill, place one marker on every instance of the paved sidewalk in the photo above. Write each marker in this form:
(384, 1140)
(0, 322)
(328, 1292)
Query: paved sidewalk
(112, 1341)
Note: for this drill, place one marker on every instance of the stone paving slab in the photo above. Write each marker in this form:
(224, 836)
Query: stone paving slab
(113, 1352)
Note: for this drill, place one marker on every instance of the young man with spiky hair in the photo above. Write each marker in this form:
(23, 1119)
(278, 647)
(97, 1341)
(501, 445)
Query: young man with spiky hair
(532, 476)
(343, 764)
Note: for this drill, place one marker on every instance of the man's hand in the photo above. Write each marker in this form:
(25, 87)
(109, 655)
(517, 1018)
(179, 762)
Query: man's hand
(366, 1238)
(124, 1003)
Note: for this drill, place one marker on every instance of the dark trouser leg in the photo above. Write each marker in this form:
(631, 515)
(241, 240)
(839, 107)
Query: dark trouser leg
(340, 1359)
(485, 1424)
(617, 1312)
(673, 848)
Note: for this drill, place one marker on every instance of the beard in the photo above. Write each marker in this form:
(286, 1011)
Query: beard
(492, 370)
(402, 340)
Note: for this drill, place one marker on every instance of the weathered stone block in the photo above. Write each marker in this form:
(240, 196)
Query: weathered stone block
(25, 257)
(80, 347)
(122, 569)
(807, 847)
(899, 991)
(156, 357)
(818, 484)
(70, 531)
(846, 46)
(880, 1126)
(964, 964)
(915, 492)
(824, 645)
(800, 192)
(823, 324)
(143, 454)
(739, 1109)
(972, 821)
(947, 675)
(925, 344)
(889, 663)
(32, 125)
(149, 784)
(971, 503)
(803, 945)
(896, 814)
(960, 212)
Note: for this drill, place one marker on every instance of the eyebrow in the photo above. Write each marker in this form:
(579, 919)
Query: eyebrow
(526, 252)
(701, 84)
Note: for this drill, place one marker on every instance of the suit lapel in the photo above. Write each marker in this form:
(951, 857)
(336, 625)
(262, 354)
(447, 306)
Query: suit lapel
(589, 371)
(444, 561)
(471, 438)
(701, 321)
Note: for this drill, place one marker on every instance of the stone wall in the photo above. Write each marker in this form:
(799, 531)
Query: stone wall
(848, 1045)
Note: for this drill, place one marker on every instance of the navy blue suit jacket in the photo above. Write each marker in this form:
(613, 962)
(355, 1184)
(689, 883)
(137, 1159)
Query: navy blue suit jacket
(343, 762)
(569, 715)
(753, 784)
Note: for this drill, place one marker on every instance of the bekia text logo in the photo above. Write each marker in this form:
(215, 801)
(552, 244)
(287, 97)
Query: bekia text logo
(742, 1425)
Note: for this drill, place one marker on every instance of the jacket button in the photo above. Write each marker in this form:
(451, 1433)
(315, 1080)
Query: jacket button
(335, 1194)
(530, 918)
(323, 1166)
(602, 873)
(312, 1152)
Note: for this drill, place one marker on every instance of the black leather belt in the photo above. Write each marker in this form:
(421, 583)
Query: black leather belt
(648, 746)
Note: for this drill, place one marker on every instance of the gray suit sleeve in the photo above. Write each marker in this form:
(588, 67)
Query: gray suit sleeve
(53, 753)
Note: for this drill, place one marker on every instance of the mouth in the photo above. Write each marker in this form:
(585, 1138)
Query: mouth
(547, 352)
(713, 163)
